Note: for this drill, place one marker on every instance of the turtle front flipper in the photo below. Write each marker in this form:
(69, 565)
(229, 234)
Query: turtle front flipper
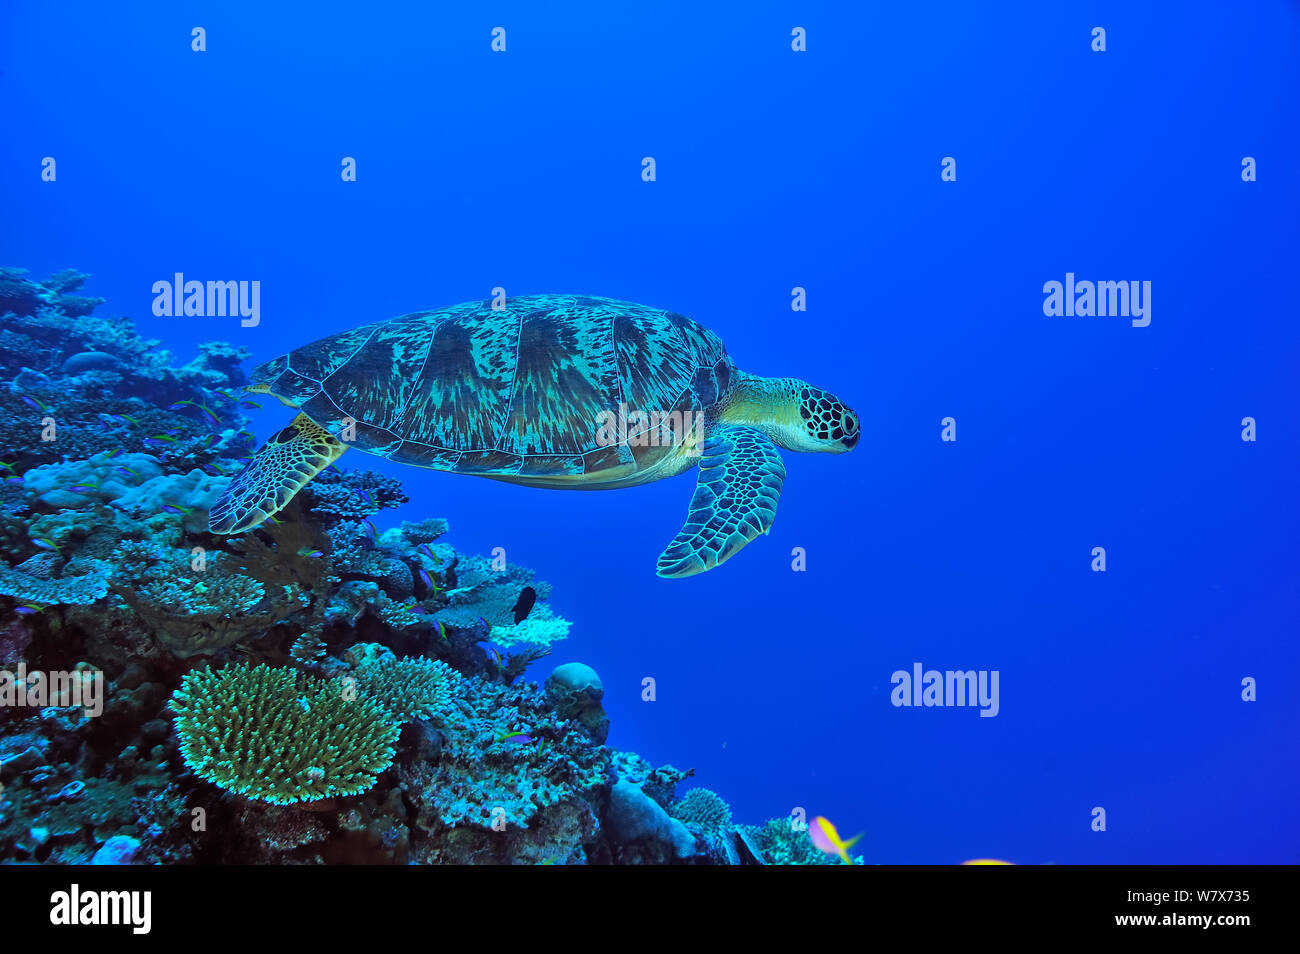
(741, 473)
(280, 469)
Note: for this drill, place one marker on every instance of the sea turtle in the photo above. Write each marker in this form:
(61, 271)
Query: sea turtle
(561, 391)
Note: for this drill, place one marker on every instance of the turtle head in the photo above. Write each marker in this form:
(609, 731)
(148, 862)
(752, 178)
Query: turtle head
(795, 415)
(826, 423)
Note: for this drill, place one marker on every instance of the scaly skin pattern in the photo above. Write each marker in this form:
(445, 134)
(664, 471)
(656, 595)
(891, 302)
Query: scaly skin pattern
(280, 469)
(515, 394)
(741, 474)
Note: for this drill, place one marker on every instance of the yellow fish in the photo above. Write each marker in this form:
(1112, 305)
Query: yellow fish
(827, 839)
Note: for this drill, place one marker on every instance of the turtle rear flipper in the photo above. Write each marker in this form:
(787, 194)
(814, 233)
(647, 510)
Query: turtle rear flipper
(281, 468)
(741, 473)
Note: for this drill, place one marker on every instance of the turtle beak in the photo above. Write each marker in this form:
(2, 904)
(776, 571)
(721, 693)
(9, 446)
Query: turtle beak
(850, 441)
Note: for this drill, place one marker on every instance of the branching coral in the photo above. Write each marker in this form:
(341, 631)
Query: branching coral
(480, 592)
(281, 736)
(705, 808)
(353, 495)
(409, 688)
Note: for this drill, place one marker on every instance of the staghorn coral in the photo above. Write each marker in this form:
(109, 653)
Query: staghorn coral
(408, 688)
(280, 736)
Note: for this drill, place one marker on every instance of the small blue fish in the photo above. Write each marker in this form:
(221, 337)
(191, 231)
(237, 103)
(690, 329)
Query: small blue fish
(178, 405)
(250, 405)
(45, 543)
(35, 403)
(84, 488)
(126, 417)
(425, 578)
(365, 496)
(13, 480)
(113, 453)
(172, 508)
(126, 471)
(424, 548)
(276, 521)
(442, 630)
(308, 552)
(28, 609)
(372, 531)
(519, 738)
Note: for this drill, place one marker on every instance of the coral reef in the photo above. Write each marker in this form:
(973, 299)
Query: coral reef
(317, 690)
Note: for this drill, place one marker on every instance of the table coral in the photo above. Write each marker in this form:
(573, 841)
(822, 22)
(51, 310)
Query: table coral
(408, 688)
(281, 736)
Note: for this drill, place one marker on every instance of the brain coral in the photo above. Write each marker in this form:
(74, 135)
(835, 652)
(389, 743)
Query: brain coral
(280, 736)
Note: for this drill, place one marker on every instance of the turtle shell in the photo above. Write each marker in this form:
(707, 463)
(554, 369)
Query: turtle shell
(515, 391)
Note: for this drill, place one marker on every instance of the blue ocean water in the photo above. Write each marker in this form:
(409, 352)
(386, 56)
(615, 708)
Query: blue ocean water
(821, 170)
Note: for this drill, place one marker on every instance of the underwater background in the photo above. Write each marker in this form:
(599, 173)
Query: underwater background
(776, 169)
